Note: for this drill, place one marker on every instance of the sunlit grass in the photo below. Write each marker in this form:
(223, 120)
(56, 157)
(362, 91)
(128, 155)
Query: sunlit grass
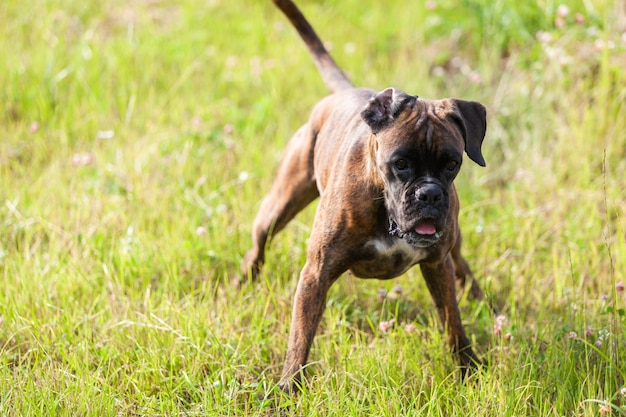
(139, 137)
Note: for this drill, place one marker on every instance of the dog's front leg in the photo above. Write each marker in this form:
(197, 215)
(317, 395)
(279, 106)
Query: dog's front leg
(440, 279)
(308, 307)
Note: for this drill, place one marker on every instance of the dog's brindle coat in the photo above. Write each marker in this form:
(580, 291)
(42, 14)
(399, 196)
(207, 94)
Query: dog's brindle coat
(383, 165)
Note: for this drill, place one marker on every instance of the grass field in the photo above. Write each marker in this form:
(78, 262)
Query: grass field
(139, 137)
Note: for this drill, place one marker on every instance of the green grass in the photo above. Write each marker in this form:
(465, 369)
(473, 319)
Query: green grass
(139, 137)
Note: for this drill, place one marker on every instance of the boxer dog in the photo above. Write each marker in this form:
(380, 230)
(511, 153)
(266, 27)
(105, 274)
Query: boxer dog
(383, 165)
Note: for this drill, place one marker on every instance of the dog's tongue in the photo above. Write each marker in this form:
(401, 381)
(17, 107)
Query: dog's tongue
(426, 227)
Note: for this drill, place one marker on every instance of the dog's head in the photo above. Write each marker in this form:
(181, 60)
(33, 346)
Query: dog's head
(418, 147)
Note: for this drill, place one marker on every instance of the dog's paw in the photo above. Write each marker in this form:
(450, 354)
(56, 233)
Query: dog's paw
(250, 267)
(470, 364)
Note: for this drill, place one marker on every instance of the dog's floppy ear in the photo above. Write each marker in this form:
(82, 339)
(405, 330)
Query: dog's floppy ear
(472, 119)
(383, 107)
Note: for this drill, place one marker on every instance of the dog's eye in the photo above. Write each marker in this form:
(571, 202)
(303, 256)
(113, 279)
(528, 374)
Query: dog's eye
(452, 165)
(401, 164)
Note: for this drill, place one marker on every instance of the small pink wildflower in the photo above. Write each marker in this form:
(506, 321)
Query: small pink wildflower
(599, 45)
(82, 159)
(559, 22)
(619, 287)
(579, 18)
(598, 343)
(498, 324)
(544, 37)
(382, 294)
(398, 289)
(589, 332)
(605, 409)
(508, 336)
(384, 326)
(572, 335)
(475, 78)
(196, 122)
(562, 11)
(410, 328)
(439, 71)
(231, 61)
(34, 127)
(200, 231)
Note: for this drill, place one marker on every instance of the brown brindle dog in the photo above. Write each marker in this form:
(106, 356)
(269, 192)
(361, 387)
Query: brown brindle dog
(383, 165)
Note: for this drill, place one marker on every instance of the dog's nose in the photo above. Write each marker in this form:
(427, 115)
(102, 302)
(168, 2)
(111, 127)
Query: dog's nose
(429, 194)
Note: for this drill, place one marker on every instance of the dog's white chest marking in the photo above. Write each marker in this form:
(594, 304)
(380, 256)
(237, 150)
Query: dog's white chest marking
(398, 247)
(391, 257)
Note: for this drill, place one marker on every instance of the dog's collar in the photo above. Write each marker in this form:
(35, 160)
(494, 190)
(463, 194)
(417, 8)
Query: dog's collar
(394, 230)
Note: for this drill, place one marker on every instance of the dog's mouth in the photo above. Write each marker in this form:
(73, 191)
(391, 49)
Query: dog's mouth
(426, 227)
(424, 234)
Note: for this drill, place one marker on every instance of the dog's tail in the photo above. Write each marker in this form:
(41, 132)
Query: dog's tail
(334, 78)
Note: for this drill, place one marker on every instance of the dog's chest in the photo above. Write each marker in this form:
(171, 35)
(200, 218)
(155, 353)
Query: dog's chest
(387, 258)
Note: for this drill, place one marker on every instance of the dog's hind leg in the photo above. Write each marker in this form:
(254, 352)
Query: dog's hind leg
(463, 272)
(292, 190)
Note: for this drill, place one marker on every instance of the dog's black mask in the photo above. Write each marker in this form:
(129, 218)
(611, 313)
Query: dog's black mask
(417, 194)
